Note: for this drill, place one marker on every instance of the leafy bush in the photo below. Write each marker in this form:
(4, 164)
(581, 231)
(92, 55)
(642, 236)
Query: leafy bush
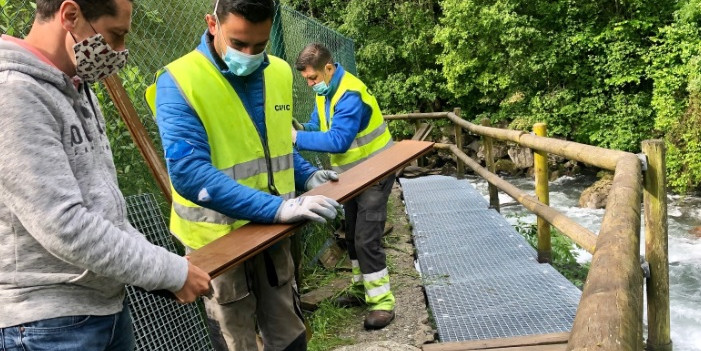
(564, 256)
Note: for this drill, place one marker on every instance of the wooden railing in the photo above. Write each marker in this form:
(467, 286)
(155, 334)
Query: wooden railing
(610, 313)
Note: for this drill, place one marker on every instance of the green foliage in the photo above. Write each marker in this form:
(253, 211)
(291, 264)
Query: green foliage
(675, 66)
(580, 67)
(16, 17)
(564, 256)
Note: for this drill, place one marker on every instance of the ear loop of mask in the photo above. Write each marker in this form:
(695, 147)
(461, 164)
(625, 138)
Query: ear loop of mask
(219, 29)
(93, 29)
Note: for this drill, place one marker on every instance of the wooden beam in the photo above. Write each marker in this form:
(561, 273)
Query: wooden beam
(138, 133)
(251, 239)
(610, 312)
(504, 343)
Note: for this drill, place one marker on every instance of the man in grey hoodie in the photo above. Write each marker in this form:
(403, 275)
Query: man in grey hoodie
(66, 247)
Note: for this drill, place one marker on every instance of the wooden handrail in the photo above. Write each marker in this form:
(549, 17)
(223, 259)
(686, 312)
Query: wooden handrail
(610, 312)
(580, 235)
(591, 155)
(417, 115)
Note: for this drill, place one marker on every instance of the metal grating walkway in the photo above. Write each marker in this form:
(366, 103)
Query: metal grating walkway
(482, 278)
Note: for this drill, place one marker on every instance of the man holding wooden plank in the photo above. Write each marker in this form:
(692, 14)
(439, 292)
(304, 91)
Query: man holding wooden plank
(66, 246)
(348, 124)
(224, 112)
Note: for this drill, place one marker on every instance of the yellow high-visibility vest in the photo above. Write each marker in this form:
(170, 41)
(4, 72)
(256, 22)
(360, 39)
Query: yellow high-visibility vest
(369, 141)
(236, 147)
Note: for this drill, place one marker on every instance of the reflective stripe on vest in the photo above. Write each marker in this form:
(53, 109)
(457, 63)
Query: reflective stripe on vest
(368, 142)
(235, 146)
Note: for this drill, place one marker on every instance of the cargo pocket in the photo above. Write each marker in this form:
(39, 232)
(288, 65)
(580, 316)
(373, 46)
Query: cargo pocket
(376, 216)
(230, 286)
(279, 257)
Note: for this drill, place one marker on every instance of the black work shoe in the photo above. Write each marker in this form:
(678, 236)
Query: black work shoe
(378, 319)
(347, 300)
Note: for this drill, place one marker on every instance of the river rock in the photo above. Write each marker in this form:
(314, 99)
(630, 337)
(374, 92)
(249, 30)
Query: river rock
(378, 346)
(506, 166)
(522, 157)
(596, 195)
(499, 151)
(696, 231)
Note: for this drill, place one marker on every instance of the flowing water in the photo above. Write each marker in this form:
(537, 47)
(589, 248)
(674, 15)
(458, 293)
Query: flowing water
(684, 249)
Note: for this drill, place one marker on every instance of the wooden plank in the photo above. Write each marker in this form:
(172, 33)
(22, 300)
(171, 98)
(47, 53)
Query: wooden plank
(251, 239)
(490, 344)
(551, 347)
(138, 133)
(311, 300)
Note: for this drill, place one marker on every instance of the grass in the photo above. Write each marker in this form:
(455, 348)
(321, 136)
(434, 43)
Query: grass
(326, 323)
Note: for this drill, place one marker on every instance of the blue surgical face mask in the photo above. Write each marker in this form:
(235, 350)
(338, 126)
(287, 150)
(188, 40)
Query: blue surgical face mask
(242, 64)
(321, 88)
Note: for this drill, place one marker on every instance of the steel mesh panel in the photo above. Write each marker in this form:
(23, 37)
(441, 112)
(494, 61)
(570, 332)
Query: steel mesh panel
(482, 278)
(465, 238)
(160, 323)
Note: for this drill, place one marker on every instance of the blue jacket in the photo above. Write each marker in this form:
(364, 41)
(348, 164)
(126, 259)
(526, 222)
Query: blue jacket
(187, 150)
(351, 115)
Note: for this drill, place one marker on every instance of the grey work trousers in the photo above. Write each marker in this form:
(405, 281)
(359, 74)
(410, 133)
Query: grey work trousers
(366, 215)
(263, 292)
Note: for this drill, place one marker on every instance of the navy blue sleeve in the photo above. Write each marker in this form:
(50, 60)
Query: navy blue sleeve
(349, 115)
(313, 124)
(190, 165)
(303, 170)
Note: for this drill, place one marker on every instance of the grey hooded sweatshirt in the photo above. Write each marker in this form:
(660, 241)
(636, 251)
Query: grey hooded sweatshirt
(66, 247)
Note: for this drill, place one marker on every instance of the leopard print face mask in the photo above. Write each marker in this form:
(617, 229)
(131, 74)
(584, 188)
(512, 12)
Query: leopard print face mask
(96, 60)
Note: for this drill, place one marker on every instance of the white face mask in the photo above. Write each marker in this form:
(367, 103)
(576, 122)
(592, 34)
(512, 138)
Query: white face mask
(95, 59)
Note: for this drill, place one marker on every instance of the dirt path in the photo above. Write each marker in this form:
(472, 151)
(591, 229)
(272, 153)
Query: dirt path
(411, 325)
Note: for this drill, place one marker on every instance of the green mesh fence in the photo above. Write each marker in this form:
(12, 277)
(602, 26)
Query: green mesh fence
(162, 31)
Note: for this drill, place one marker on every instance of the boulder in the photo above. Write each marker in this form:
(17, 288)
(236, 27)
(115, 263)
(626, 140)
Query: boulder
(499, 150)
(506, 166)
(522, 157)
(596, 195)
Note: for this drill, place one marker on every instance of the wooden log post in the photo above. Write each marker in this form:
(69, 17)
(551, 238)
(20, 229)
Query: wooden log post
(491, 166)
(656, 247)
(543, 193)
(417, 125)
(460, 144)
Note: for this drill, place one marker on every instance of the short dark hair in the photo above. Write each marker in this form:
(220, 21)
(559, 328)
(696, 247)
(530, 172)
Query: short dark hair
(314, 55)
(91, 9)
(255, 11)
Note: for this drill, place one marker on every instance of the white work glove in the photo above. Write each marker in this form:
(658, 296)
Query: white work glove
(294, 136)
(320, 177)
(317, 208)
